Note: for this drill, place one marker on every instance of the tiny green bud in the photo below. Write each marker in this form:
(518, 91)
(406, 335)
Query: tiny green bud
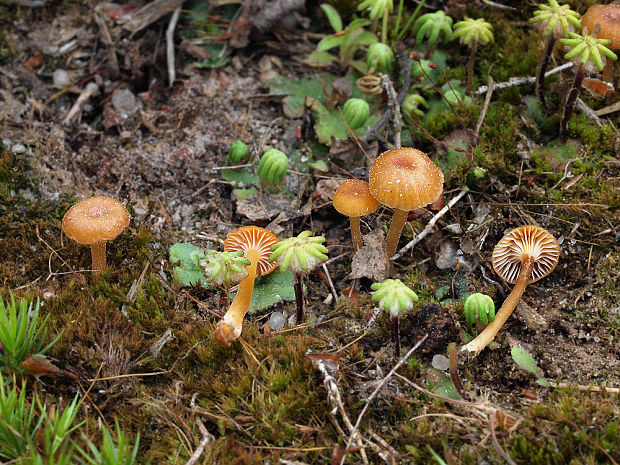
(380, 57)
(302, 253)
(224, 267)
(272, 167)
(410, 106)
(479, 307)
(238, 151)
(355, 111)
(394, 295)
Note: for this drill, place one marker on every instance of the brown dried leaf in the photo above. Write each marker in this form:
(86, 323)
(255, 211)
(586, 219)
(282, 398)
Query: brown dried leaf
(371, 261)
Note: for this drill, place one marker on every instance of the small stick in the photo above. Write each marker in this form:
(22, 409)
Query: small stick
(522, 81)
(90, 90)
(485, 107)
(170, 45)
(206, 439)
(429, 227)
(331, 283)
(393, 105)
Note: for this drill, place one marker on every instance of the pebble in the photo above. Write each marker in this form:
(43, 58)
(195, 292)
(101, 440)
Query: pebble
(276, 321)
(61, 78)
(18, 148)
(441, 362)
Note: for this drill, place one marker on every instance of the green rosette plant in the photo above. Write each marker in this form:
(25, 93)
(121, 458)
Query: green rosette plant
(272, 167)
(380, 57)
(433, 26)
(410, 107)
(589, 54)
(379, 9)
(223, 268)
(393, 295)
(301, 254)
(237, 153)
(555, 22)
(355, 111)
(472, 32)
(479, 307)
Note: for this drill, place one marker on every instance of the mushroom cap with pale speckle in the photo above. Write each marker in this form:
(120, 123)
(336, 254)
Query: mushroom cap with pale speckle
(405, 178)
(353, 198)
(608, 16)
(95, 219)
(521, 242)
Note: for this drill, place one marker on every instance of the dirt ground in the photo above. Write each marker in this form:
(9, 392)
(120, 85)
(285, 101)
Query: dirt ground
(160, 150)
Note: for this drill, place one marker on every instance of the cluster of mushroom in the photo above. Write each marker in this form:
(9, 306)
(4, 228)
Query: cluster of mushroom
(403, 179)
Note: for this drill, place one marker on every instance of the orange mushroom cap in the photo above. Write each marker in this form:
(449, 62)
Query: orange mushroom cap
(405, 178)
(608, 17)
(532, 241)
(253, 237)
(353, 198)
(95, 219)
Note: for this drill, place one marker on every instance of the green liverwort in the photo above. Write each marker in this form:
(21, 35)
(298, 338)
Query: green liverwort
(393, 295)
(272, 167)
(301, 254)
(433, 26)
(379, 9)
(589, 54)
(472, 32)
(556, 21)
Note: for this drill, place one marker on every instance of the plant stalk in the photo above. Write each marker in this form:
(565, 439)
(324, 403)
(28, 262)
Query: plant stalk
(384, 27)
(396, 335)
(470, 66)
(299, 298)
(570, 100)
(542, 69)
(488, 334)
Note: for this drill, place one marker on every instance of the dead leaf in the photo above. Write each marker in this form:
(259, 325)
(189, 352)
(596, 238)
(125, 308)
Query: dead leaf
(371, 261)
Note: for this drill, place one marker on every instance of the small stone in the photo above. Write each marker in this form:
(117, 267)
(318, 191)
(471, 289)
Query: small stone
(441, 362)
(446, 256)
(61, 78)
(124, 101)
(18, 148)
(277, 321)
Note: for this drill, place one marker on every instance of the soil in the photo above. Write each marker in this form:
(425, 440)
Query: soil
(160, 150)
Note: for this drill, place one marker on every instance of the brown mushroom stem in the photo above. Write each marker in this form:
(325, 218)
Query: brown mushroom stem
(398, 223)
(542, 69)
(97, 251)
(396, 335)
(607, 72)
(229, 327)
(488, 334)
(356, 232)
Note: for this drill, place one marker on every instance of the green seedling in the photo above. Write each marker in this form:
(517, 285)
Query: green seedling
(555, 21)
(526, 362)
(589, 54)
(19, 422)
(355, 112)
(379, 9)
(349, 41)
(115, 449)
(380, 58)
(479, 307)
(394, 296)
(272, 167)
(472, 32)
(223, 268)
(22, 333)
(301, 254)
(237, 153)
(433, 26)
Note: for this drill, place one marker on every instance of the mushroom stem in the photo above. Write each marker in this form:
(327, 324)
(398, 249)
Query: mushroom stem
(299, 298)
(356, 233)
(398, 222)
(607, 72)
(396, 335)
(229, 327)
(488, 334)
(97, 251)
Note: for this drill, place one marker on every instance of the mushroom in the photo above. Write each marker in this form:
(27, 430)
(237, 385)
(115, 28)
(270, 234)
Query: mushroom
(94, 221)
(607, 17)
(404, 179)
(523, 256)
(256, 245)
(353, 199)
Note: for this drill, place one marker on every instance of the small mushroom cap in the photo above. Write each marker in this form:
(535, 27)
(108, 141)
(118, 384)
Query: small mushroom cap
(405, 178)
(521, 242)
(353, 198)
(253, 237)
(608, 16)
(95, 219)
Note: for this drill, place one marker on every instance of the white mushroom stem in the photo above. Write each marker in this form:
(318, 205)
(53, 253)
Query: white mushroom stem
(488, 334)
(97, 251)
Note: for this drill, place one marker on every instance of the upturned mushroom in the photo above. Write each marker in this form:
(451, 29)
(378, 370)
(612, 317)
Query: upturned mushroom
(256, 245)
(404, 179)
(94, 221)
(523, 256)
(353, 199)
